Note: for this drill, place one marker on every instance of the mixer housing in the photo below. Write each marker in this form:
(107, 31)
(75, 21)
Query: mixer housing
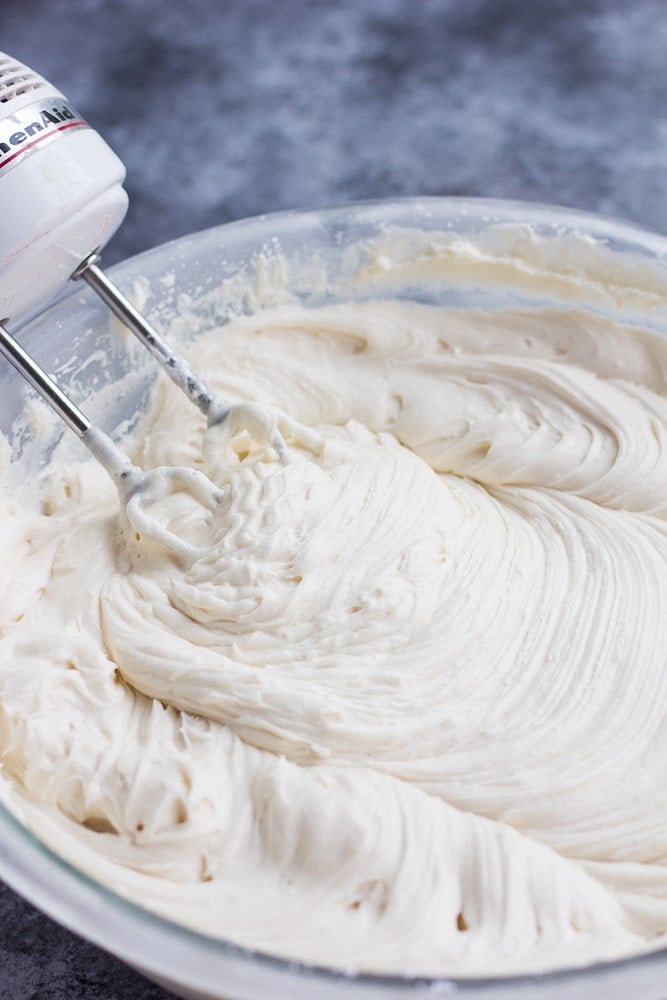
(61, 193)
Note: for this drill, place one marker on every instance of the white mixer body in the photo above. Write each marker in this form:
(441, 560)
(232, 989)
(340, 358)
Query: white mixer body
(61, 194)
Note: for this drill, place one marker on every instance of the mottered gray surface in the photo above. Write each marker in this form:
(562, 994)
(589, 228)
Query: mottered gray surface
(41, 961)
(222, 109)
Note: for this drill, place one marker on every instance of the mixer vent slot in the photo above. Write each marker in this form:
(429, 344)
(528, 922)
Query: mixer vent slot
(16, 79)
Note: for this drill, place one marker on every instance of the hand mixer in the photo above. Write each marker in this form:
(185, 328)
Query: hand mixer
(61, 200)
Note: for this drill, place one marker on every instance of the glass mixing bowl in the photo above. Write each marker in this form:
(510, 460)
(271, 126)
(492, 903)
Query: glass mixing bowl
(320, 257)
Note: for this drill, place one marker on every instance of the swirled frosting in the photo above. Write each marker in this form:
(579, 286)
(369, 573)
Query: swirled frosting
(404, 708)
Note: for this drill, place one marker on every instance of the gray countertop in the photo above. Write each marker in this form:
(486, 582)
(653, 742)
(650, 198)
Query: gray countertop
(226, 109)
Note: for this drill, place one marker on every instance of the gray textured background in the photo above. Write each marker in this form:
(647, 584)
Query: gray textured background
(303, 104)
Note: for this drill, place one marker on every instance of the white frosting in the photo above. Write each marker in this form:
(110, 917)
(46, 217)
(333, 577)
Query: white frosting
(402, 704)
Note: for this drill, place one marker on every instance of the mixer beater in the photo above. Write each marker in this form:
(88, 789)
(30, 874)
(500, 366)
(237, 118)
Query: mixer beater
(61, 200)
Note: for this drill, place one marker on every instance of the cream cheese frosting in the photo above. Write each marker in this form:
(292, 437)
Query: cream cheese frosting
(403, 708)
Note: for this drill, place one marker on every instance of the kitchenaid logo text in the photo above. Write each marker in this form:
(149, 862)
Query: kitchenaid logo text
(33, 126)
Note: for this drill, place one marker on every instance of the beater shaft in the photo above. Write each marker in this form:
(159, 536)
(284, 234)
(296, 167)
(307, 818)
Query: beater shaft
(43, 383)
(173, 363)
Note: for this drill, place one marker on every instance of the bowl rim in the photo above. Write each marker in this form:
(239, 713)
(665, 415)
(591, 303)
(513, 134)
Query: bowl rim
(117, 924)
(608, 227)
